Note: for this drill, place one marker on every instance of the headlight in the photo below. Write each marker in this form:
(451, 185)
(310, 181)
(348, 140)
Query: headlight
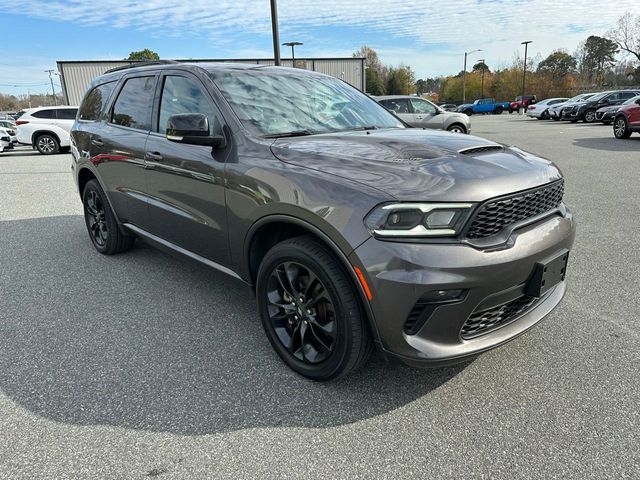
(418, 219)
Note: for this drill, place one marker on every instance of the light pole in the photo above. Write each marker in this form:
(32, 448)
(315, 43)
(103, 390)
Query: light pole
(482, 77)
(53, 91)
(464, 75)
(293, 45)
(274, 29)
(524, 72)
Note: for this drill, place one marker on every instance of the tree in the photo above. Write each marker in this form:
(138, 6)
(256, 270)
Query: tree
(374, 82)
(145, 54)
(421, 86)
(596, 55)
(478, 67)
(626, 34)
(370, 56)
(558, 64)
(401, 81)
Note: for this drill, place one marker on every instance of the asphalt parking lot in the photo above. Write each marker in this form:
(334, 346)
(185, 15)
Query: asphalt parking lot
(144, 365)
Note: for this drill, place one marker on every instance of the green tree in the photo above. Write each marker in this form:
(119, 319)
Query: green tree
(478, 67)
(401, 81)
(145, 54)
(596, 55)
(374, 82)
(558, 64)
(421, 86)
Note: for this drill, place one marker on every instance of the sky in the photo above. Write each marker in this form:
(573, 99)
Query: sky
(430, 36)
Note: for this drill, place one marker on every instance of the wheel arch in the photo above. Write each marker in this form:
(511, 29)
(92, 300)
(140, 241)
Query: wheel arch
(457, 124)
(38, 133)
(270, 230)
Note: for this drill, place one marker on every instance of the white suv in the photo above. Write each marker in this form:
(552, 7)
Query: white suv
(46, 128)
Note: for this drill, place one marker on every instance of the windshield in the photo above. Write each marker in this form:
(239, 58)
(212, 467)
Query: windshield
(278, 102)
(632, 100)
(597, 96)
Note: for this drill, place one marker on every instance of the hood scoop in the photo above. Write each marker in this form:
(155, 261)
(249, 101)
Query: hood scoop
(481, 149)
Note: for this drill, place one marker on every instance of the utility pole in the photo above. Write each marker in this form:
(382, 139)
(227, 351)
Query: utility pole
(464, 75)
(274, 29)
(482, 78)
(53, 91)
(524, 71)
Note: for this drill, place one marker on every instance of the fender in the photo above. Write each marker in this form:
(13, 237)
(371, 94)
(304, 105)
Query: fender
(342, 256)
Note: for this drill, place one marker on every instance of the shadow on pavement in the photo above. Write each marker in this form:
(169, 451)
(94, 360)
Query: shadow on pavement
(147, 341)
(631, 144)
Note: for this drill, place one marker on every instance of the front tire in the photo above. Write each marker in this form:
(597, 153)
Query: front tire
(498, 111)
(47, 144)
(621, 128)
(310, 310)
(468, 112)
(589, 116)
(102, 225)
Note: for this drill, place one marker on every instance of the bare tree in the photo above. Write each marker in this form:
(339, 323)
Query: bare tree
(626, 34)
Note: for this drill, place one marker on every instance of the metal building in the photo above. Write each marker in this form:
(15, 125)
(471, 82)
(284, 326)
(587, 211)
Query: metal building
(75, 76)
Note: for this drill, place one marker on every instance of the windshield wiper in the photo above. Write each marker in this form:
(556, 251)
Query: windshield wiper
(294, 133)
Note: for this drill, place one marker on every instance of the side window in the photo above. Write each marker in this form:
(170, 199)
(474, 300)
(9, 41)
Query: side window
(67, 113)
(421, 106)
(134, 104)
(95, 101)
(399, 105)
(627, 95)
(185, 95)
(49, 114)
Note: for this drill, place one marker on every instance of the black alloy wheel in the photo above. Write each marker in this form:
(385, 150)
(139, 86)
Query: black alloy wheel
(96, 219)
(301, 312)
(310, 310)
(105, 233)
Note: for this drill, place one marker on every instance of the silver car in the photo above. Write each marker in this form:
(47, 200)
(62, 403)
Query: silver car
(421, 113)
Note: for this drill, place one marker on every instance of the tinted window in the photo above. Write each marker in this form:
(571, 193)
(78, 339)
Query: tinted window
(67, 113)
(398, 105)
(95, 101)
(422, 106)
(134, 103)
(44, 114)
(184, 95)
(627, 95)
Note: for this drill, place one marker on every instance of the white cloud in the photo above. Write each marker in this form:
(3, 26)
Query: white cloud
(435, 33)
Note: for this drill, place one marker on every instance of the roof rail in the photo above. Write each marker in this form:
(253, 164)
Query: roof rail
(141, 63)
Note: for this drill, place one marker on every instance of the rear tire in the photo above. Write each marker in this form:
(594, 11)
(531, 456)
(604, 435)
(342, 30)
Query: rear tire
(621, 128)
(544, 115)
(310, 310)
(457, 128)
(103, 228)
(498, 111)
(47, 144)
(468, 112)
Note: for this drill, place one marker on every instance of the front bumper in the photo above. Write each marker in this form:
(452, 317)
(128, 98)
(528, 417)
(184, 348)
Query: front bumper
(605, 116)
(572, 114)
(399, 274)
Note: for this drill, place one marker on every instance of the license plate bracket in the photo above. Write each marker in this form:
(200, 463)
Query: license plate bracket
(547, 274)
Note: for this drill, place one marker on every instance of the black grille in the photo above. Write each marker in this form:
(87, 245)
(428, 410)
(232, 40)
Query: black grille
(414, 319)
(484, 321)
(494, 215)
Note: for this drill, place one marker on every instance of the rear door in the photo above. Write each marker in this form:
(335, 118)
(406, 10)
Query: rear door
(425, 114)
(400, 106)
(119, 148)
(186, 183)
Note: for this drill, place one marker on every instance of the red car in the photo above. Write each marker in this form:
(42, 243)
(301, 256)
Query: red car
(522, 102)
(627, 120)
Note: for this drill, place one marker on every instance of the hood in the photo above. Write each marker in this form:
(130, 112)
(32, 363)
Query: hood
(415, 164)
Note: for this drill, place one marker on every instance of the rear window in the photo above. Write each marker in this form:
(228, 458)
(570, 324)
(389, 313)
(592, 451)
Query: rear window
(133, 106)
(95, 101)
(67, 113)
(50, 114)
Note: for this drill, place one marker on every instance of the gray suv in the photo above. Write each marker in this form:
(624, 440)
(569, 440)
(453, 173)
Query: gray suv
(355, 232)
(421, 113)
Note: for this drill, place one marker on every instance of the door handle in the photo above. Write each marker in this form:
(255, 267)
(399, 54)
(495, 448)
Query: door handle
(153, 156)
(419, 117)
(97, 142)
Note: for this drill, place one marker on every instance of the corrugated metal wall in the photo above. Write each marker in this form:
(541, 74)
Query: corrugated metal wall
(76, 75)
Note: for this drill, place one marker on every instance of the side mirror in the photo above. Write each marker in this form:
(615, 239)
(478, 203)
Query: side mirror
(193, 129)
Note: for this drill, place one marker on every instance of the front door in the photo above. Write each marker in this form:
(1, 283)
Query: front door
(186, 183)
(426, 114)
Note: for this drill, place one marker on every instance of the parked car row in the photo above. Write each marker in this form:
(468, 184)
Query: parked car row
(620, 107)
